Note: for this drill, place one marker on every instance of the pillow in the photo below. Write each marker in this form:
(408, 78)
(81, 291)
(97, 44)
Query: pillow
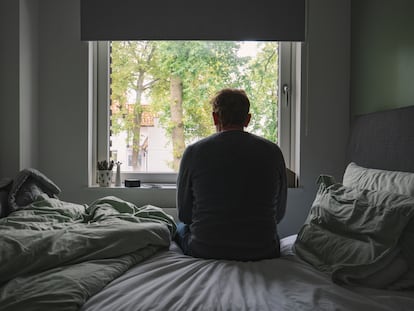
(374, 179)
(360, 237)
(29, 186)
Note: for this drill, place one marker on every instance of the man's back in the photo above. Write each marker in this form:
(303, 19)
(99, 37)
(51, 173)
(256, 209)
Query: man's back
(230, 187)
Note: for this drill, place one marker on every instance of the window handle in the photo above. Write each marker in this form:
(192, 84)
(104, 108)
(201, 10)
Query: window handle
(285, 90)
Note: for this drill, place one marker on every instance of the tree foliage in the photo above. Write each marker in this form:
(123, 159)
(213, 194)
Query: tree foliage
(146, 70)
(262, 87)
(204, 68)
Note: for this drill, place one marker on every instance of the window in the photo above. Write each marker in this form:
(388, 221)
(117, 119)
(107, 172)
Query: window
(152, 98)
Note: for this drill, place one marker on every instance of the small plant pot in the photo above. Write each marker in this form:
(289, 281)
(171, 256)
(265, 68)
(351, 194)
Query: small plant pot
(105, 178)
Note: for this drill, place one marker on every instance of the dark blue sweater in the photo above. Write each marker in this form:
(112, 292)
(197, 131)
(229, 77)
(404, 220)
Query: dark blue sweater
(231, 191)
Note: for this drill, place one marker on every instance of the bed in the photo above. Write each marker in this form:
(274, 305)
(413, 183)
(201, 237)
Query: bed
(354, 252)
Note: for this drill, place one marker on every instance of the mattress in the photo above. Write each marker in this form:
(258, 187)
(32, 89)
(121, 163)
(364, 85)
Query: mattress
(170, 280)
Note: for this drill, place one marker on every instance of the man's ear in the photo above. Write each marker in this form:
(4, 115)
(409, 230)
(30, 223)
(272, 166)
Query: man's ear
(249, 116)
(215, 118)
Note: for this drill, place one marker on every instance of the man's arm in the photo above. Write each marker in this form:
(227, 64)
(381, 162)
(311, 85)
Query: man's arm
(282, 191)
(184, 189)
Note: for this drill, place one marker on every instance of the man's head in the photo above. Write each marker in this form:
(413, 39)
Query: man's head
(231, 109)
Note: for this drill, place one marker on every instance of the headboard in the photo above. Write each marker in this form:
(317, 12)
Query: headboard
(384, 140)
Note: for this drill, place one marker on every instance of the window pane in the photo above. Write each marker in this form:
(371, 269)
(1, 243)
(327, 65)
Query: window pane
(160, 92)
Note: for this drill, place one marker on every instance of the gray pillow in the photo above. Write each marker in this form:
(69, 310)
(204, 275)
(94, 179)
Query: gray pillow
(359, 177)
(29, 186)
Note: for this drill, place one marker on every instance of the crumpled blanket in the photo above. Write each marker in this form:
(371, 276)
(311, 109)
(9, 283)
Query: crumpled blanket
(54, 255)
(29, 186)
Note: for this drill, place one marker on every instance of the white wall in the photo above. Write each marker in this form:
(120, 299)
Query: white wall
(324, 124)
(29, 86)
(18, 85)
(63, 107)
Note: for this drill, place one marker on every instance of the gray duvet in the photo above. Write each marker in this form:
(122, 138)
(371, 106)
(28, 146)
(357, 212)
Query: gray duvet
(54, 255)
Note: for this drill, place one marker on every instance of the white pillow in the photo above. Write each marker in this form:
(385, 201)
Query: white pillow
(373, 179)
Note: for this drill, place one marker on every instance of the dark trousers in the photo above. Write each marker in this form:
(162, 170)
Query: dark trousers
(182, 237)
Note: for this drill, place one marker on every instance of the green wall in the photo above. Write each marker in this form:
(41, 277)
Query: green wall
(382, 55)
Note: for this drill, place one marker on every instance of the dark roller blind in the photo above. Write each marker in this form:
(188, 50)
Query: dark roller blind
(269, 20)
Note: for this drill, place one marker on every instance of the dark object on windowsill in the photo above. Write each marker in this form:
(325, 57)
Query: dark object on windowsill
(132, 183)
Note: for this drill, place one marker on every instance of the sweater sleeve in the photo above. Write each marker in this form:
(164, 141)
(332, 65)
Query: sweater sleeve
(184, 188)
(282, 191)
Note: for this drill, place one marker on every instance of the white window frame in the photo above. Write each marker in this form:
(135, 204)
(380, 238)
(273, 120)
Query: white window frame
(289, 102)
(289, 96)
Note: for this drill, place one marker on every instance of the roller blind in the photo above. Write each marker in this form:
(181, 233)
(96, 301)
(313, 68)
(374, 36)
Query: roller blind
(273, 20)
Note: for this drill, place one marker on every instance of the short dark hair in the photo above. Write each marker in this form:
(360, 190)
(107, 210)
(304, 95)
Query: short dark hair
(232, 106)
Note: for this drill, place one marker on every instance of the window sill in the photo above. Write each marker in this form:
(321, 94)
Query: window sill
(143, 186)
(158, 186)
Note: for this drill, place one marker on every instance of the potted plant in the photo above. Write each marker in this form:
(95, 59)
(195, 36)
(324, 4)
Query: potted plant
(105, 173)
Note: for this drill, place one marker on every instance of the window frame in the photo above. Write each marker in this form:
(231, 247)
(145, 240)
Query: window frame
(99, 99)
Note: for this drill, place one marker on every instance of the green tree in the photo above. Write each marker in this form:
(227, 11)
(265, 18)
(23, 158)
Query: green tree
(190, 73)
(178, 78)
(130, 64)
(262, 87)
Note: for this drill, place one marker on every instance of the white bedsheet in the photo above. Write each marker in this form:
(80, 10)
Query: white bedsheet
(172, 281)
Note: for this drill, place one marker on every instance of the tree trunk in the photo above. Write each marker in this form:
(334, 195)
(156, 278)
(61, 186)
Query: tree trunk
(177, 133)
(136, 130)
(136, 133)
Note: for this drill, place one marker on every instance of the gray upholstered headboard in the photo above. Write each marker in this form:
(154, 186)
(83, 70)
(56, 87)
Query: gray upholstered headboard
(384, 140)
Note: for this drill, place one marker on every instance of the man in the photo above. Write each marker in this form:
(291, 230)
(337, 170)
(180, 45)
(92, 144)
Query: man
(231, 188)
